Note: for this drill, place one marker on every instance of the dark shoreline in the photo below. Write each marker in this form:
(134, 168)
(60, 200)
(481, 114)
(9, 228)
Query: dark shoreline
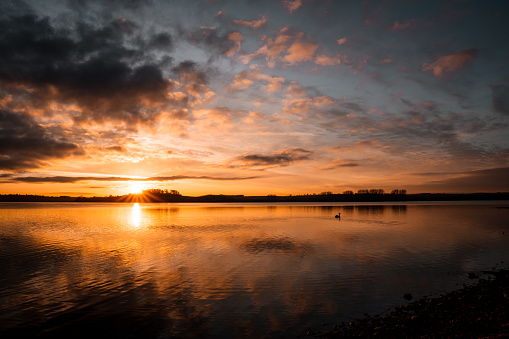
(318, 198)
(475, 311)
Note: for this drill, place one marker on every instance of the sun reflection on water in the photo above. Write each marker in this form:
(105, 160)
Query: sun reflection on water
(136, 215)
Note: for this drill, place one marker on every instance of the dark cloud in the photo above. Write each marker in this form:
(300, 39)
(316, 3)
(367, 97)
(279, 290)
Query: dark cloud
(340, 164)
(116, 149)
(500, 97)
(432, 174)
(353, 106)
(85, 65)
(189, 71)
(211, 39)
(131, 4)
(281, 158)
(487, 180)
(66, 179)
(25, 144)
(161, 41)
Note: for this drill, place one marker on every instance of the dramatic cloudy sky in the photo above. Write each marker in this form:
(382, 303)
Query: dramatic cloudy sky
(253, 97)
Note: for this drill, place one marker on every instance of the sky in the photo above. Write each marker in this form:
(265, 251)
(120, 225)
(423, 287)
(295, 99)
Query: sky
(253, 97)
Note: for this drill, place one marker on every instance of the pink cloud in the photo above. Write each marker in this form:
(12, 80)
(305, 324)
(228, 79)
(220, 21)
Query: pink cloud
(216, 120)
(292, 5)
(300, 51)
(245, 79)
(299, 102)
(288, 46)
(386, 61)
(237, 38)
(341, 41)
(274, 47)
(254, 24)
(399, 26)
(450, 63)
(324, 60)
(295, 90)
(254, 117)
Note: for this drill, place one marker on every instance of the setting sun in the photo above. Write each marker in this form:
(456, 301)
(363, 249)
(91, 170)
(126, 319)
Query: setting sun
(136, 187)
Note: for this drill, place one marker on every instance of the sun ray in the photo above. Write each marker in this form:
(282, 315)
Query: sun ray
(136, 187)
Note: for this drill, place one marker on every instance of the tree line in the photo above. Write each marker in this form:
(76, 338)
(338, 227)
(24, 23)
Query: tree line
(376, 191)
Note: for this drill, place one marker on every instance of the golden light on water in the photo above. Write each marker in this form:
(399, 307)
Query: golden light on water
(136, 215)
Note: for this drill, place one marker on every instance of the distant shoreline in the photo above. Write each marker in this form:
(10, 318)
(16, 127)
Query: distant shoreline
(173, 198)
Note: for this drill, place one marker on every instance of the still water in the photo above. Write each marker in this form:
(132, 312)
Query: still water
(224, 271)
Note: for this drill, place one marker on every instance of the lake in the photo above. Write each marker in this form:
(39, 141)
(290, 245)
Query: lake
(226, 270)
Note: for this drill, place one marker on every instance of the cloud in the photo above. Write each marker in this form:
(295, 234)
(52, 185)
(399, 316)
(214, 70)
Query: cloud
(68, 179)
(92, 67)
(288, 47)
(486, 180)
(299, 52)
(191, 86)
(217, 119)
(324, 60)
(299, 102)
(120, 149)
(340, 163)
(237, 38)
(246, 78)
(25, 144)
(342, 41)
(450, 63)
(280, 158)
(254, 24)
(292, 5)
(500, 98)
(306, 105)
(216, 42)
(400, 26)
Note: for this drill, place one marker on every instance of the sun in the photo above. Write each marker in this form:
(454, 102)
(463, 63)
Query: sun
(136, 187)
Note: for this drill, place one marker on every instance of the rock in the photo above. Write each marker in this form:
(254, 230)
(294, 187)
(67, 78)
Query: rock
(407, 296)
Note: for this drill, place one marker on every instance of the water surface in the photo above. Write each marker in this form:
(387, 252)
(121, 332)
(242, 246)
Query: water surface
(219, 270)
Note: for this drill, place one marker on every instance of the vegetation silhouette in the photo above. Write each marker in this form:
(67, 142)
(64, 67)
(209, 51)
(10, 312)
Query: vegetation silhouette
(173, 196)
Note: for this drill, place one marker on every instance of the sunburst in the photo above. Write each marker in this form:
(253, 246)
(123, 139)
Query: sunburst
(136, 187)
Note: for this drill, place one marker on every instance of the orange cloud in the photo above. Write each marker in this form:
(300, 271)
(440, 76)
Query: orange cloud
(292, 5)
(450, 63)
(386, 61)
(254, 24)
